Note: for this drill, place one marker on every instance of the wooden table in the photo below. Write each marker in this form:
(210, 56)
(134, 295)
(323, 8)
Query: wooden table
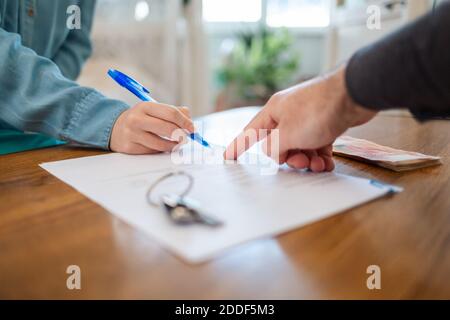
(45, 226)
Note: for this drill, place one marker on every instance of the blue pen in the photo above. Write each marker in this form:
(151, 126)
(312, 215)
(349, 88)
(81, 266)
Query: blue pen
(144, 94)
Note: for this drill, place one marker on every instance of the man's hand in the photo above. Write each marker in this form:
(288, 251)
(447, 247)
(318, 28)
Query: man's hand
(309, 117)
(147, 128)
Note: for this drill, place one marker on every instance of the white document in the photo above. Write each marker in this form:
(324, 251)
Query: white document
(249, 204)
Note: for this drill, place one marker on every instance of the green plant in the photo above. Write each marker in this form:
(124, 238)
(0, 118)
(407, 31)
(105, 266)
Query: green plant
(260, 64)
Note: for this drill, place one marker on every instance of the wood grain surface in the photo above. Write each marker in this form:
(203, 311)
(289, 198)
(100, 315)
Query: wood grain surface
(46, 226)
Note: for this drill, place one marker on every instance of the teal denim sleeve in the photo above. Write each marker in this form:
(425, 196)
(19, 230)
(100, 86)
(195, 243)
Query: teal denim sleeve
(12, 141)
(36, 97)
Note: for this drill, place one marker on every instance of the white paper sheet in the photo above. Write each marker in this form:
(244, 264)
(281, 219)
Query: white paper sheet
(251, 205)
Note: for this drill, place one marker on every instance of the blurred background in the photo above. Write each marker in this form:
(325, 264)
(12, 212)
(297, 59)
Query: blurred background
(215, 55)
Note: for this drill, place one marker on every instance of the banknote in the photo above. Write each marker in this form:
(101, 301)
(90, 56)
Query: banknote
(383, 156)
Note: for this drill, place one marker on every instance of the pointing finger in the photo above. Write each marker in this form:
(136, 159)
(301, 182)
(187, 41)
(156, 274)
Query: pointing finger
(250, 135)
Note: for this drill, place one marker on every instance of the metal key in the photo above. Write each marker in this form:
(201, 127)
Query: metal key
(185, 211)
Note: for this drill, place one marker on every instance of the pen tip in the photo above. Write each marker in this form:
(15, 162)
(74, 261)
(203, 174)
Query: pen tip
(196, 137)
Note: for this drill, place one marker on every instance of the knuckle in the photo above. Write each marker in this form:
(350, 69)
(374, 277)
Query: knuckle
(127, 132)
(133, 118)
(173, 112)
(141, 105)
(186, 110)
(276, 98)
(182, 120)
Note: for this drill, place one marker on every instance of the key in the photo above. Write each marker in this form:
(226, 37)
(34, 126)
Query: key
(185, 211)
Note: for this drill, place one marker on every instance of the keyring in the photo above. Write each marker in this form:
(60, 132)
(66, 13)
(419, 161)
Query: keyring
(165, 177)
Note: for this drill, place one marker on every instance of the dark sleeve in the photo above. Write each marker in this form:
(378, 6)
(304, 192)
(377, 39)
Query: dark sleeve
(408, 69)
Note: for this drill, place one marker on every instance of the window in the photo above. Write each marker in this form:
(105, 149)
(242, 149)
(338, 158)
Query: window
(278, 13)
(232, 10)
(298, 13)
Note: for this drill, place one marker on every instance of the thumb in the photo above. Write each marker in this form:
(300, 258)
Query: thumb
(186, 111)
(275, 147)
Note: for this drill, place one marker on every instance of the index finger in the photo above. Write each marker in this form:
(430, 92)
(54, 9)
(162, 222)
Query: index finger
(250, 135)
(169, 113)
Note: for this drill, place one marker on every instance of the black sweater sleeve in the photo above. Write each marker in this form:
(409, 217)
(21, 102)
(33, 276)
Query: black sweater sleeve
(408, 69)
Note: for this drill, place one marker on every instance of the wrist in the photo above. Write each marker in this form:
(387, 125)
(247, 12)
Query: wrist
(352, 113)
(115, 132)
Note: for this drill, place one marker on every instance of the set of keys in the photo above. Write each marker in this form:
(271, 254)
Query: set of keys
(185, 211)
(181, 209)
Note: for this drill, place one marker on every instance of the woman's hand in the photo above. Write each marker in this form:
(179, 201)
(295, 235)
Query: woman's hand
(147, 127)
